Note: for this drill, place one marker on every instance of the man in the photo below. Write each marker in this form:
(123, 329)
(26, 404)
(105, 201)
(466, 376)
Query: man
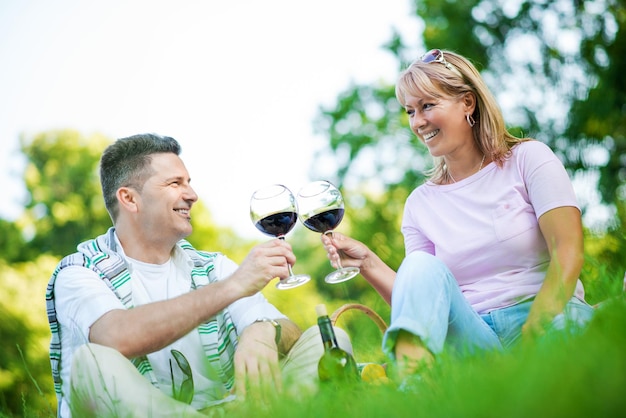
(145, 325)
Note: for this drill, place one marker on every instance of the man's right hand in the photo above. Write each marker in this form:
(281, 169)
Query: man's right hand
(262, 264)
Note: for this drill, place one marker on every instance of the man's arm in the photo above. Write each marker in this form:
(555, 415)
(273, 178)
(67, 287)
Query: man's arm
(257, 368)
(290, 333)
(148, 328)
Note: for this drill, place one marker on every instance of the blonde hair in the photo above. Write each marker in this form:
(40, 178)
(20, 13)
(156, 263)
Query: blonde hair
(436, 81)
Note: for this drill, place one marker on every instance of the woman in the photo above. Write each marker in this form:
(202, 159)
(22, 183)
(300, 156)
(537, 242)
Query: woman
(494, 242)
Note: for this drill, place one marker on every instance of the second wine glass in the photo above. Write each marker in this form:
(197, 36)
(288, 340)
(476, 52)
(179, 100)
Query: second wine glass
(273, 210)
(321, 209)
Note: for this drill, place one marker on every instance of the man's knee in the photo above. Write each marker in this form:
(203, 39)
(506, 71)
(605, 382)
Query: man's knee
(91, 355)
(94, 362)
(312, 339)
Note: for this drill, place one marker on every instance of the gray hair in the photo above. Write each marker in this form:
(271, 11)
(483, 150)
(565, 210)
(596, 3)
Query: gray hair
(127, 161)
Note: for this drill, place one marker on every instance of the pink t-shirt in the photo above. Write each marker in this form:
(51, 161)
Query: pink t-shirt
(485, 228)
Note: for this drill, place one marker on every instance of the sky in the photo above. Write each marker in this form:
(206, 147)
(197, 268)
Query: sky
(238, 83)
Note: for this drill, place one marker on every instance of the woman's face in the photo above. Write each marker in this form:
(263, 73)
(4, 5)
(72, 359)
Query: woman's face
(439, 123)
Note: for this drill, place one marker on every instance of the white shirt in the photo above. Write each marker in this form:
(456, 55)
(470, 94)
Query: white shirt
(485, 227)
(82, 297)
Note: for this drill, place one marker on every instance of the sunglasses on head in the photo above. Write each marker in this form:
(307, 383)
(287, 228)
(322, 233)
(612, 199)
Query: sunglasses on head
(436, 55)
(185, 392)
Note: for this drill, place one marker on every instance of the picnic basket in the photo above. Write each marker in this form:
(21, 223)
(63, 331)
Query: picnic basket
(375, 317)
(370, 372)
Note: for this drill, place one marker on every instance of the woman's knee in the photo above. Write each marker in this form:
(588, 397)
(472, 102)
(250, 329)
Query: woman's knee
(419, 268)
(420, 258)
(419, 262)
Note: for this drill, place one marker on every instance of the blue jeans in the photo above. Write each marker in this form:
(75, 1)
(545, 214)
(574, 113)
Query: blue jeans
(427, 302)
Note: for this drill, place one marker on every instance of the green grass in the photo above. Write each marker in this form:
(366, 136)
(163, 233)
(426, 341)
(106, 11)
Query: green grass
(561, 375)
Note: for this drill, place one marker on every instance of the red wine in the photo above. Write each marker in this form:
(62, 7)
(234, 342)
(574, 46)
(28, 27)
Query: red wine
(325, 221)
(277, 224)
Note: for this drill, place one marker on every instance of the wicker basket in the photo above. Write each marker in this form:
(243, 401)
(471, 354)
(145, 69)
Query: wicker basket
(370, 372)
(380, 322)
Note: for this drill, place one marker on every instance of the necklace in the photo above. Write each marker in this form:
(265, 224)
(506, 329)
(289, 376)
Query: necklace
(479, 168)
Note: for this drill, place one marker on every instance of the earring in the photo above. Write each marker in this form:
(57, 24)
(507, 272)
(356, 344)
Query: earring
(470, 120)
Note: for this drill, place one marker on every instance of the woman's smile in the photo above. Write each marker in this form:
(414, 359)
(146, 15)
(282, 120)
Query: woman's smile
(427, 137)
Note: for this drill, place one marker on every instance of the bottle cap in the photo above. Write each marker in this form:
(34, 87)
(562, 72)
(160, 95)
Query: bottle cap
(320, 310)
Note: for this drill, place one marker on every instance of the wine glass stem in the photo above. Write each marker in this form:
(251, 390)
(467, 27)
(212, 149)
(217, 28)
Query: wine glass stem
(332, 236)
(288, 265)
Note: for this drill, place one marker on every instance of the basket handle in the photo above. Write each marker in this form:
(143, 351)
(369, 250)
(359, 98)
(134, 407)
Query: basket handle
(380, 322)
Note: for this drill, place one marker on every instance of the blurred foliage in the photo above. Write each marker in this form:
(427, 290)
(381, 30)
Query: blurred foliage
(604, 271)
(598, 119)
(66, 205)
(25, 379)
(66, 208)
(558, 65)
(12, 242)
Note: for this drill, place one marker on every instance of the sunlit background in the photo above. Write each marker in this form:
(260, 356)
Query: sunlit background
(237, 83)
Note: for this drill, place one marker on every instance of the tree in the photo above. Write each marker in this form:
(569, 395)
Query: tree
(599, 118)
(65, 208)
(66, 204)
(375, 156)
(25, 381)
(551, 62)
(11, 241)
(561, 62)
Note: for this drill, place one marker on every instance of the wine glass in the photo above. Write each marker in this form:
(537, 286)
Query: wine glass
(274, 212)
(321, 210)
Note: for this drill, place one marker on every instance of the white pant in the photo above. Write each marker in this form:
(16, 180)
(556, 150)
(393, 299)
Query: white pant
(105, 383)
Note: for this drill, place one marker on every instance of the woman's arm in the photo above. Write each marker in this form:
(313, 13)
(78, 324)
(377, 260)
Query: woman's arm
(356, 254)
(562, 230)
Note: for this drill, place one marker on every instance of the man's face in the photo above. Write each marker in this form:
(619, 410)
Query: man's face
(165, 201)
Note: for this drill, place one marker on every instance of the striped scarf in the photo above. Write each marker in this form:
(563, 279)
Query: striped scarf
(218, 335)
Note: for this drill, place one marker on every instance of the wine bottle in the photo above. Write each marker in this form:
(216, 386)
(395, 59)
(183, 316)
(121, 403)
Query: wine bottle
(335, 365)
